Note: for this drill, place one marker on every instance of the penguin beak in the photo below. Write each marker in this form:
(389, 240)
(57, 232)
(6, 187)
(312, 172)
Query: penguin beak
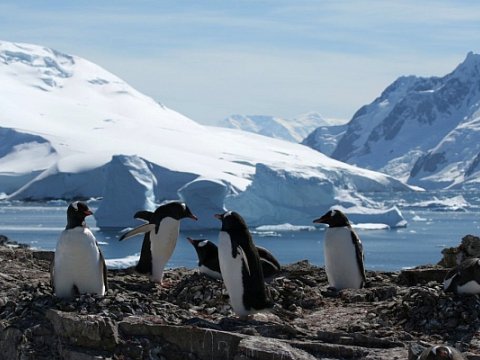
(191, 216)
(219, 216)
(320, 220)
(88, 212)
(190, 240)
(142, 229)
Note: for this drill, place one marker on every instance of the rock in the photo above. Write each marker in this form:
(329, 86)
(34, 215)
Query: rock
(10, 340)
(269, 349)
(411, 277)
(205, 343)
(469, 247)
(90, 331)
(193, 319)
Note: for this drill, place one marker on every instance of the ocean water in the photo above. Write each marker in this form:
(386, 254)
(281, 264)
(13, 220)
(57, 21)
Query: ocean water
(435, 221)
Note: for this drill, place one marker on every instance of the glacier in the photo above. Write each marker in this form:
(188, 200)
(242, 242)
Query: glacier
(70, 129)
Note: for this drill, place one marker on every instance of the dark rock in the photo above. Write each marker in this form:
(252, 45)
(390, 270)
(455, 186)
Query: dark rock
(413, 277)
(90, 331)
(269, 349)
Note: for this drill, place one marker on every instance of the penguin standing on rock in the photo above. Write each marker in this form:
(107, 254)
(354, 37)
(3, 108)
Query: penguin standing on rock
(465, 278)
(343, 250)
(161, 231)
(240, 266)
(79, 265)
(208, 264)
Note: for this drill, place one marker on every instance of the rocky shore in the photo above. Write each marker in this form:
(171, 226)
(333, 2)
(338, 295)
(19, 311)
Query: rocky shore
(394, 317)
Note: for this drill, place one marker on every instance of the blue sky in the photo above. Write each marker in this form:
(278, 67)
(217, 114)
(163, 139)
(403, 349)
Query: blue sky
(211, 59)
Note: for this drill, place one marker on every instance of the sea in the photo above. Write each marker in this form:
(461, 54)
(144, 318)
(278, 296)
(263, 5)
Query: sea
(435, 220)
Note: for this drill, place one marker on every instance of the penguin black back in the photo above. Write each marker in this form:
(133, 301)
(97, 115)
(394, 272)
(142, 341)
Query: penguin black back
(207, 253)
(465, 278)
(176, 210)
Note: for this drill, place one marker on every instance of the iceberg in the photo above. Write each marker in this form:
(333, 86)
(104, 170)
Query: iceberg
(129, 188)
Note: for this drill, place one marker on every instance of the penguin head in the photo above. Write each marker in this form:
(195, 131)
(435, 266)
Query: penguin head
(204, 249)
(76, 213)
(440, 352)
(333, 218)
(176, 210)
(231, 220)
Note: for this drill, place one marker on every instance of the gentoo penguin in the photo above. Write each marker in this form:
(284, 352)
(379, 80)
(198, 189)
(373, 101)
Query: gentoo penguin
(343, 252)
(465, 278)
(161, 233)
(440, 352)
(240, 266)
(79, 266)
(208, 264)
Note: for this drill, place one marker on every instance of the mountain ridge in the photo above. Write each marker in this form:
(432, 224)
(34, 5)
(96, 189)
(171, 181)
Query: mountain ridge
(418, 126)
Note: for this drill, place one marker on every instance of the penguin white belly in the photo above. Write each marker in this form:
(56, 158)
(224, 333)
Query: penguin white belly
(162, 246)
(341, 259)
(471, 287)
(77, 263)
(231, 269)
(209, 272)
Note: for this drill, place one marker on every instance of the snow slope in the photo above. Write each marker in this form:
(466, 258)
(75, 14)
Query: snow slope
(421, 130)
(70, 129)
(294, 130)
(325, 138)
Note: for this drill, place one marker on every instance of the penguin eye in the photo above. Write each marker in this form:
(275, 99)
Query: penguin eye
(75, 205)
(333, 213)
(202, 243)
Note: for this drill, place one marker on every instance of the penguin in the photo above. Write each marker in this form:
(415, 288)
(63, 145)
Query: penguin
(161, 232)
(208, 264)
(440, 352)
(240, 266)
(343, 251)
(465, 278)
(78, 266)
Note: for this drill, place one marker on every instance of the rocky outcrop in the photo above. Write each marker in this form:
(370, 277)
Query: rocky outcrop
(192, 319)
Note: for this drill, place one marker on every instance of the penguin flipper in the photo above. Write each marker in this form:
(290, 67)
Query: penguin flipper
(450, 281)
(360, 255)
(237, 249)
(245, 259)
(103, 269)
(143, 215)
(144, 265)
(145, 228)
(268, 258)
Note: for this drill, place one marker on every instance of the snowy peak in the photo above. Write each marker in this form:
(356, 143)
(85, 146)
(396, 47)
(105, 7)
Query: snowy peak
(402, 131)
(294, 130)
(38, 66)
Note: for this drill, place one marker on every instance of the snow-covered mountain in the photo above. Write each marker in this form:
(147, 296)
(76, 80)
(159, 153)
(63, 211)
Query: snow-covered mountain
(71, 129)
(294, 130)
(325, 138)
(423, 130)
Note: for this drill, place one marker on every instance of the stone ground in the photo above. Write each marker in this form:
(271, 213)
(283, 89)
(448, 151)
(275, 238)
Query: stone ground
(394, 317)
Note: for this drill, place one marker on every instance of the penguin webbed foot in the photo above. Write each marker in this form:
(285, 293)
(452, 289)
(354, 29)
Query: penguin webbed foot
(330, 291)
